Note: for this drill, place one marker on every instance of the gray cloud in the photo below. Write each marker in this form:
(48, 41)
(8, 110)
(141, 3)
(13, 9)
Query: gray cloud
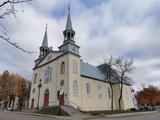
(127, 28)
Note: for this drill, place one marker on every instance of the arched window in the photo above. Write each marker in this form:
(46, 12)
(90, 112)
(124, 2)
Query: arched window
(33, 90)
(62, 68)
(109, 92)
(100, 92)
(88, 89)
(75, 87)
(35, 78)
(48, 75)
(74, 66)
(45, 76)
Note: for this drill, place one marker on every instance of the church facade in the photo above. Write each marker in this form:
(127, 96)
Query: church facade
(61, 77)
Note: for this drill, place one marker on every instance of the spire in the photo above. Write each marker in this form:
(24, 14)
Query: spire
(69, 22)
(44, 47)
(45, 39)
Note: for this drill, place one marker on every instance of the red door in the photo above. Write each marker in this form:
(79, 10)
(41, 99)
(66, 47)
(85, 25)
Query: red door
(46, 100)
(32, 103)
(62, 99)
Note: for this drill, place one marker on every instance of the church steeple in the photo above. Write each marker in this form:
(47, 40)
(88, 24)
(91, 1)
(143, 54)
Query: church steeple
(69, 22)
(69, 32)
(69, 43)
(44, 47)
(45, 39)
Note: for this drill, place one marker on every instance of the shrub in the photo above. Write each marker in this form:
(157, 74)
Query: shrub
(133, 109)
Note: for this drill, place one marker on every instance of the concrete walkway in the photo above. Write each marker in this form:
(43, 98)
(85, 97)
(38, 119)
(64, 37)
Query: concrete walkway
(121, 115)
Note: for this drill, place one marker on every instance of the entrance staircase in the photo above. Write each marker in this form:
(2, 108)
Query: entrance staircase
(70, 110)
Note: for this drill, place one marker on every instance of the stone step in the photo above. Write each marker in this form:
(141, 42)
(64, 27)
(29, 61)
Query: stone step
(70, 110)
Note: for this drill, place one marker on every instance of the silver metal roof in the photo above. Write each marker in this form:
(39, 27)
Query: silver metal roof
(96, 72)
(91, 71)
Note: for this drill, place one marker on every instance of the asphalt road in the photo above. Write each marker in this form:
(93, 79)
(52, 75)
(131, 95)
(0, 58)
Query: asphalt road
(18, 116)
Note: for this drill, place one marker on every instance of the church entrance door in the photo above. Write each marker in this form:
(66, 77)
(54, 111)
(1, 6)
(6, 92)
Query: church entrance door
(62, 99)
(32, 103)
(46, 98)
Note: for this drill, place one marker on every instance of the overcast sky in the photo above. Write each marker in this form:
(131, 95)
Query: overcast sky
(127, 28)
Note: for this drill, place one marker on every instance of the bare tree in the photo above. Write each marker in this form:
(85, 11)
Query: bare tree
(107, 68)
(8, 8)
(110, 62)
(124, 67)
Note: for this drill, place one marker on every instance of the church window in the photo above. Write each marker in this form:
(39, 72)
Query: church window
(109, 92)
(49, 58)
(61, 82)
(35, 78)
(75, 87)
(33, 90)
(48, 75)
(100, 92)
(62, 68)
(88, 89)
(45, 76)
(74, 66)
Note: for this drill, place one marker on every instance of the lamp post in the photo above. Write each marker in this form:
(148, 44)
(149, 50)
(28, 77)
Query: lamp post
(39, 87)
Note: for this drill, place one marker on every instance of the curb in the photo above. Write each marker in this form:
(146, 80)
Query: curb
(130, 114)
(122, 115)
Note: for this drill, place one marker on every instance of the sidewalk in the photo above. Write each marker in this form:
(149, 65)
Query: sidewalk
(121, 115)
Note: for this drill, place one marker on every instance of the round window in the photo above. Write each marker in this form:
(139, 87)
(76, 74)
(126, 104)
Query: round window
(62, 82)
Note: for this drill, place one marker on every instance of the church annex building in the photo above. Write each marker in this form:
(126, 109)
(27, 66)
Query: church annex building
(80, 85)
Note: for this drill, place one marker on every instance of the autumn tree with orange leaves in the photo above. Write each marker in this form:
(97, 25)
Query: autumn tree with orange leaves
(149, 96)
(12, 85)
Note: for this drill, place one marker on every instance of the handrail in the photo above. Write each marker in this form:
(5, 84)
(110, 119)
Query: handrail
(74, 104)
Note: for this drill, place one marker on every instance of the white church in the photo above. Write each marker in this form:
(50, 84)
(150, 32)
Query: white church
(61, 77)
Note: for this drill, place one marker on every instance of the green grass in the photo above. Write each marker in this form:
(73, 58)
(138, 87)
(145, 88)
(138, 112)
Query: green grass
(51, 111)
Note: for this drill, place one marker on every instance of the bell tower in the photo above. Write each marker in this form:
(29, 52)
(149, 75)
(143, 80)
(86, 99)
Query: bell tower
(69, 32)
(69, 43)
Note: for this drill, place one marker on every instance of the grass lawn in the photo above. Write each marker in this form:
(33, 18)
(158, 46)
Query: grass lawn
(51, 111)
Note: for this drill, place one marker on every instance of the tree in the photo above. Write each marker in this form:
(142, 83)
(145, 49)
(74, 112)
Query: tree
(123, 68)
(14, 85)
(107, 69)
(148, 96)
(8, 8)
